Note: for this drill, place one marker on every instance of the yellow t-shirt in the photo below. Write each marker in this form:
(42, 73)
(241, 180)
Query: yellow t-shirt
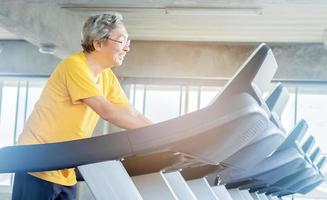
(59, 115)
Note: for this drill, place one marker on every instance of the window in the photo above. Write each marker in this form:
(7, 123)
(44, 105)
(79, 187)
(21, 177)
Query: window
(312, 107)
(161, 102)
(305, 101)
(17, 101)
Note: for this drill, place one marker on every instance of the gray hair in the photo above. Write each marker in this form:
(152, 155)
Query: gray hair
(99, 27)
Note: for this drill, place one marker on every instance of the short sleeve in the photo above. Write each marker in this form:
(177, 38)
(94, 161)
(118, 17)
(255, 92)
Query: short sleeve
(116, 94)
(79, 81)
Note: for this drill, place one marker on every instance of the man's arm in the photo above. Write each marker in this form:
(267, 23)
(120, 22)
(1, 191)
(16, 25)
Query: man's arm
(124, 117)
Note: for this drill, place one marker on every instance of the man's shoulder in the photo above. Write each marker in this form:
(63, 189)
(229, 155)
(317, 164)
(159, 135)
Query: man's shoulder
(75, 60)
(78, 57)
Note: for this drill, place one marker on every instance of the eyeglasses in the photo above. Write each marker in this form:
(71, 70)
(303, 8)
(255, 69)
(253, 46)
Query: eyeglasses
(123, 44)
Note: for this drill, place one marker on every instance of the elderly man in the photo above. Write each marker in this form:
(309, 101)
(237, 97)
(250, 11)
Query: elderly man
(81, 88)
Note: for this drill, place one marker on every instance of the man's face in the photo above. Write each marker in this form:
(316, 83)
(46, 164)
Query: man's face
(115, 47)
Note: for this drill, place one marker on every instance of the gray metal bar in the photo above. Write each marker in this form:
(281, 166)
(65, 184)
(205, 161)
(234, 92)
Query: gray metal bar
(17, 110)
(295, 104)
(144, 98)
(211, 81)
(16, 124)
(199, 97)
(180, 100)
(175, 81)
(134, 93)
(1, 88)
(186, 98)
(26, 100)
(23, 75)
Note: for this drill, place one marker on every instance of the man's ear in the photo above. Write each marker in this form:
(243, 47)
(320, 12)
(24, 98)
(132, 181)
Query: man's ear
(97, 45)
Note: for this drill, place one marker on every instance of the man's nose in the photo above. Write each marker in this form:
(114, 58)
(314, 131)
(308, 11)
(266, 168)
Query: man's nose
(126, 48)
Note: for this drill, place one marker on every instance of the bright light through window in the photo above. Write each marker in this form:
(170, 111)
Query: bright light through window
(10, 124)
(207, 95)
(193, 99)
(312, 107)
(162, 102)
(8, 110)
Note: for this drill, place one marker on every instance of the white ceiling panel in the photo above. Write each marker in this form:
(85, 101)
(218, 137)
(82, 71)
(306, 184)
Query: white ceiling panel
(289, 21)
(222, 21)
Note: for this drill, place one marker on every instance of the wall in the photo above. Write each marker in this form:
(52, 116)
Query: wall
(166, 59)
(180, 59)
(22, 57)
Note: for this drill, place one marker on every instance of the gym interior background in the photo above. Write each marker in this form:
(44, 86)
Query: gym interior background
(182, 54)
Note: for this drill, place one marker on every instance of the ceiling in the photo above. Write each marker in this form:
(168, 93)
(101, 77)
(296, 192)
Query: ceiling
(6, 35)
(240, 21)
(216, 20)
(223, 21)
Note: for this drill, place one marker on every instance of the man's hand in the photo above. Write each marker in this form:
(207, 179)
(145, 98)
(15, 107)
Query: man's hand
(124, 117)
